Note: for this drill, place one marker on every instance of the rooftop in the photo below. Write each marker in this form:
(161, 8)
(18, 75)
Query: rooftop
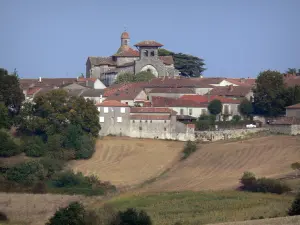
(158, 101)
(152, 110)
(173, 90)
(296, 106)
(111, 103)
(237, 91)
(209, 98)
(149, 43)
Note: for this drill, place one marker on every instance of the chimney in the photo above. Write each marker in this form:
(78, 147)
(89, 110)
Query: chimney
(40, 79)
(230, 87)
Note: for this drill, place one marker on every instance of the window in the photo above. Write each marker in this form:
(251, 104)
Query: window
(150, 121)
(140, 128)
(133, 121)
(119, 119)
(125, 42)
(152, 53)
(101, 119)
(190, 112)
(126, 103)
(122, 110)
(165, 121)
(165, 129)
(203, 111)
(140, 121)
(146, 53)
(105, 109)
(146, 121)
(181, 111)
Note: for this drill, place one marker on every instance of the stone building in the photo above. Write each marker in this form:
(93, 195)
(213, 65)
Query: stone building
(127, 59)
(293, 111)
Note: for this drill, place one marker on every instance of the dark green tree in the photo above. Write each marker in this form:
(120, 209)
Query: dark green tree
(34, 146)
(125, 78)
(4, 117)
(269, 94)
(131, 78)
(215, 107)
(132, 217)
(188, 65)
(292, 95)
(295, 208)
(73, 214)
(8, 146)
(144, 76)
(246, 108)
(10, 93)
(293, 71)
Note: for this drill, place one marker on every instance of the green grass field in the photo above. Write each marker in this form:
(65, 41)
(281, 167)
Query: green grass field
(195, 208)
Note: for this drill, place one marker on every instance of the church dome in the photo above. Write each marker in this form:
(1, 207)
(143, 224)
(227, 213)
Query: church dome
(125, 35)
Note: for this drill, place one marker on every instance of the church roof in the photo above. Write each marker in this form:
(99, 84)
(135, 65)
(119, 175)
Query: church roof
(125, 35)
(101, 61)
(127, 51)
(148, 44)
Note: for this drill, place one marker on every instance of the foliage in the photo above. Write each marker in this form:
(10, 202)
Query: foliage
(73, 214)
(215, 107)
(188, 65)
(295, 208)
(296, 166)
(132, 216)
(264, 185)
(269, 94)
(205, 122)
(209, 207)
(8, 146)
(294, 71)
(4, 117)
(236, 119)
(131, 78)
(10, 92)
(75, 183)
(26, 173)
(105, 215)
(51, 166)
(87, 148)
(246, 108)
(292, 95)
(34, 146)
(188, 149)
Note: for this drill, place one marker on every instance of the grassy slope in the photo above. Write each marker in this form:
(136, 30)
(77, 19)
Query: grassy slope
(205, 207)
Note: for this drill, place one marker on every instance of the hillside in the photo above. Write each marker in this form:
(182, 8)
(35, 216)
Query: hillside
(220, 165)
(295, 220)
(126, 162)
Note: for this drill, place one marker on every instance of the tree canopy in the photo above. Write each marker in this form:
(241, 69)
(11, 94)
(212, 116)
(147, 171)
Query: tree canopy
(215, 107)
(131, 78)
(10, 92)
(188, 65)
(246, 108)
(294, 71)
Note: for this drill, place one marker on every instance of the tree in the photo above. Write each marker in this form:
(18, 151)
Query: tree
(269, 94)
(4, 117)
(246, 108)
(144, 76)
(132, 217)
(292, 95)
(295, 208)
(73, 214)
(296, 166)
(188, 65)
(236, 118)
(125, 78)
(10, 92)
(215, 107)
(293, 71)
(34, 146)
(8, 146)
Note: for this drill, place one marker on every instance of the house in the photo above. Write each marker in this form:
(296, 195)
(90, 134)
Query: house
(293, 111)
(170, 92)
(186, 109)
(234, 92)
(93, 83)
(285, 125)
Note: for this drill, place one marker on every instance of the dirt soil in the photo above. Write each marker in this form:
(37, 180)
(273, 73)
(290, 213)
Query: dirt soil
(127, 162)
(293, 220)
(220, 165)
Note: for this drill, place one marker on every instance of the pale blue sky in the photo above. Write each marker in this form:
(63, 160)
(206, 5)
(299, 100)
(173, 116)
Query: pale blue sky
(236, 38)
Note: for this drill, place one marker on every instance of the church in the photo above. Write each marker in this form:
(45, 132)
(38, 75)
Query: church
(127, 59)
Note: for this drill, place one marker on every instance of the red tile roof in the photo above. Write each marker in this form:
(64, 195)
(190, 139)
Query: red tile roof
(151, 110)
(292, 81)
(296, 106)
(242, 81)
(125, 35)
(149, 117)
(83, 79)
(158, 101)
(127, 51)
(191, 125)
(148, 44)
(167, 60)
(112, 103)
(115, 88)
(33, 90)
(209, 98)
(173, 90)
(237, 91)
(124, 94)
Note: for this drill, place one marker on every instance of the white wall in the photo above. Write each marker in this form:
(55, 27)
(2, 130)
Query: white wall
(99, 85)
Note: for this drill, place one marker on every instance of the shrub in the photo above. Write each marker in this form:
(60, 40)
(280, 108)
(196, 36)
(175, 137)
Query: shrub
(51, 166)
(8, 146)
(103, 216)
(27, 173)
(72, 138)
(87, 147)
(54, 143)
(68, 179)
(215, 107)
(3, 216)
(132, 217)
(236, 118)
(34, 146)
(73, 214)
(265, 185)
(189, 148)
(295, 208)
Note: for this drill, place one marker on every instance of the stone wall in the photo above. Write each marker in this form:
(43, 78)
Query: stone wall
(225, 134)
(285, 129)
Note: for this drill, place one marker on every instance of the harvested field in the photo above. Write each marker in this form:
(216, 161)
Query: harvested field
(191, 208)
(126, 161)
(292, 220)
(220, 165)
(33, 209)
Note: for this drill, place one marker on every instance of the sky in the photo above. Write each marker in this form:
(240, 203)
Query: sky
(236, 38)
